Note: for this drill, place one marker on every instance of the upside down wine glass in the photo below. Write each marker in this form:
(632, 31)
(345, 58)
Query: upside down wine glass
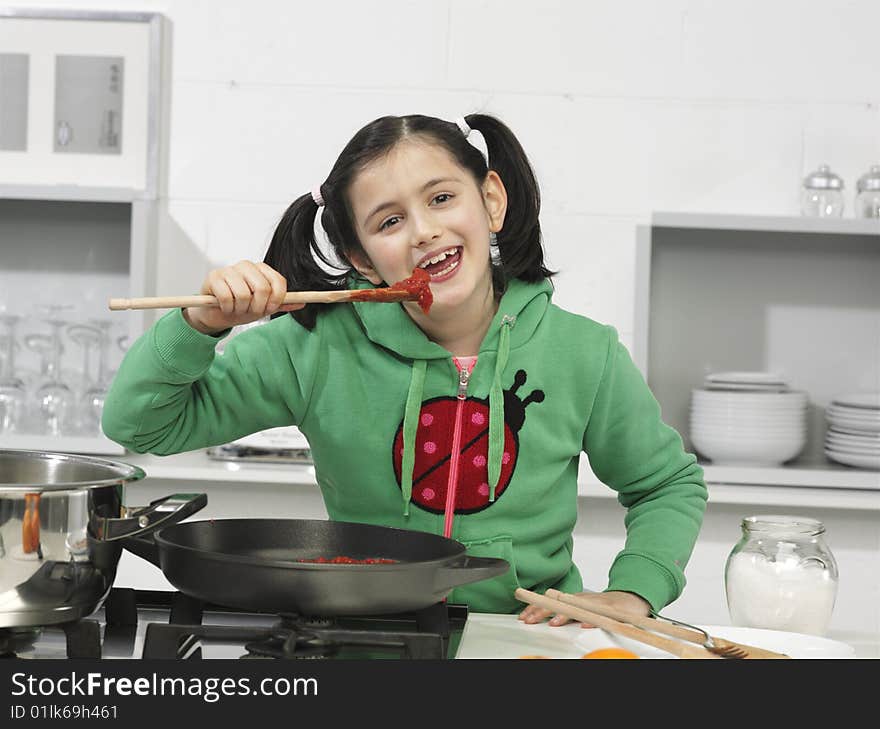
(96, 393)
(54, 396)
(88, 338)
(12, 388)
(41, 345)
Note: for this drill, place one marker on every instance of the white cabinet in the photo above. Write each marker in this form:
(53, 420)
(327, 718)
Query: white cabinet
(795, 295)
(80, 95)
(80, 115)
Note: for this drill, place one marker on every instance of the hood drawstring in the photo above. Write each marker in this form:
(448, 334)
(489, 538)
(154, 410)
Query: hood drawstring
(410, 426)
(496, 407)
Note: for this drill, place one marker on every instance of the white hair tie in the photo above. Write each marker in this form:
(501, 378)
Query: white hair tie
(474, 137)
(462, 124)
(316, 195)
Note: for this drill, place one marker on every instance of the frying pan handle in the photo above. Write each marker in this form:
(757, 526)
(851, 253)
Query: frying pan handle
(178, 506)
(142, 520)
(470, 569)
(145, 547)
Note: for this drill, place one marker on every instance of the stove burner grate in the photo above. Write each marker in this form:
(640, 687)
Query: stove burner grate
(424, 634)
(16, 640)
(291, 643)
(82, 639)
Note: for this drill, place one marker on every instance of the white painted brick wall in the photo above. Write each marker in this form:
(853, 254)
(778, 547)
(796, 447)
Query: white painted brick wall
(624, 107)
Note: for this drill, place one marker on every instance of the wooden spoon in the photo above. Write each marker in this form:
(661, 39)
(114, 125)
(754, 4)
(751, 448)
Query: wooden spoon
(414, 288)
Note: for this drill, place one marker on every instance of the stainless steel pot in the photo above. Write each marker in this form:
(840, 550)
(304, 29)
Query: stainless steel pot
(63, 525)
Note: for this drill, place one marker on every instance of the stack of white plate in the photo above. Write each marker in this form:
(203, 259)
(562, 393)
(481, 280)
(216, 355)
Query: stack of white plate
(746, 382)
(853, 435)
(748, 418)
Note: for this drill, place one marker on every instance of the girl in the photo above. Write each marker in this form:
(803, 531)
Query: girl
(466, 421)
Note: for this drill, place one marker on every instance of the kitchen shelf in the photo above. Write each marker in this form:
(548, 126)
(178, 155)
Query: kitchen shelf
(826, 476)
(825, 486)
(92, 244)
(793, 496)
(198, 466)
(71, 193)
(790, 294)
(767, 223)
(819, 487)
(98, 445)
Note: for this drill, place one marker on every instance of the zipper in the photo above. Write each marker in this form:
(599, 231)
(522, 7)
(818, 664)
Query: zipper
(464, 375)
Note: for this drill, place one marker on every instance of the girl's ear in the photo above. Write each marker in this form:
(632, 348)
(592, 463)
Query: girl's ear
(495, 200)
(360, 261)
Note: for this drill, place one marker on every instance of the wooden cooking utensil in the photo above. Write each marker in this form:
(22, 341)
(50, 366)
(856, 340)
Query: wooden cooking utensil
(721, 646)
(413, 288)
(291, 297)
(675, 647)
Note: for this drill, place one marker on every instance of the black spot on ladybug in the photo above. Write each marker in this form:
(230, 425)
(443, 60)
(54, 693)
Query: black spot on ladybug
(433, 449)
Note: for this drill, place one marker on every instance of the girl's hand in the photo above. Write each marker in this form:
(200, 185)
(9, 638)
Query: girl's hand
(246, 291)
(624, 602)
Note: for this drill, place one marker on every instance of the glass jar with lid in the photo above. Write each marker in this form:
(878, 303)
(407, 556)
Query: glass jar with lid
(822, 194)
(781, 575)
(868, 194)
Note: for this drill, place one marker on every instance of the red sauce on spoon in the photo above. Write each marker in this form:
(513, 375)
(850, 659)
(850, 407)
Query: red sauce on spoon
(413, 288)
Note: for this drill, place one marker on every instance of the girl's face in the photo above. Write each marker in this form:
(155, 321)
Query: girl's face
(416, 206)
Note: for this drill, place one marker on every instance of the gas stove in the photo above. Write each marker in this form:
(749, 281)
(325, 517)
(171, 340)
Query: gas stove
(162, 624)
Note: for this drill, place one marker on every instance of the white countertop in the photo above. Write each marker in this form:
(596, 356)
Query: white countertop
(219, 479)
(488, 635)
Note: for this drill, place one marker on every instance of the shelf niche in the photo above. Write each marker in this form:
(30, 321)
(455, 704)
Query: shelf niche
(80, 254)
(730, 293)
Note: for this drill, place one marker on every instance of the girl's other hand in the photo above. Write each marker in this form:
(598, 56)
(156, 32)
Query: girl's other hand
(246, 291)
(624, 602)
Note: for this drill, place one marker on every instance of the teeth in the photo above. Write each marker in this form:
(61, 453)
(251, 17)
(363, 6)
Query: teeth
(446, 270)
(436, 259)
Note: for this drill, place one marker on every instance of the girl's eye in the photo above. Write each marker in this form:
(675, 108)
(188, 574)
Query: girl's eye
(442, 197)
(388, 222)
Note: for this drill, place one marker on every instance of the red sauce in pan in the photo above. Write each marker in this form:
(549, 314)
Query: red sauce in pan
(348, 560)
(414, 288)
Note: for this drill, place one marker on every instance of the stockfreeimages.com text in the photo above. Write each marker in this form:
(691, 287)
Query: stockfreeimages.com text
(209, 689)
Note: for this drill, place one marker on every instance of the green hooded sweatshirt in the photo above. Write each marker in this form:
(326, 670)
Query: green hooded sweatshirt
(379, 404)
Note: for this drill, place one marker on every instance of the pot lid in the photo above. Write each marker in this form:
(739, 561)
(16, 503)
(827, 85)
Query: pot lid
(40, 471)
(870, 180)
(823, 179)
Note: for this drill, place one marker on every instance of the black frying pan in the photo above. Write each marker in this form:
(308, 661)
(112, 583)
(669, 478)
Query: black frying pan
(251, 564)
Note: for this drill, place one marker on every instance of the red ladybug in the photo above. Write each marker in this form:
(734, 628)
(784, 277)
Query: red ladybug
(433, 449)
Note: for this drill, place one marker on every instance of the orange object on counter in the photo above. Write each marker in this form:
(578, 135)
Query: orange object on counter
(610, 653)
(30, 524)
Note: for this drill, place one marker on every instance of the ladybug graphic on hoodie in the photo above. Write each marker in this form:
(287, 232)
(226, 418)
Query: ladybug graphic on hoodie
(433, 449)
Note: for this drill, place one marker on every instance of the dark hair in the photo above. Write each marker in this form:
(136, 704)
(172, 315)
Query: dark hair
(296, 253)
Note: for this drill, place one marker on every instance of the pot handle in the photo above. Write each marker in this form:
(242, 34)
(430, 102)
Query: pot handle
(470, 569)
(146, 519)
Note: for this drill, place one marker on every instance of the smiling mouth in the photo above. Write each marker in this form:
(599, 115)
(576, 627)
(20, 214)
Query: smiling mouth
(443, 263)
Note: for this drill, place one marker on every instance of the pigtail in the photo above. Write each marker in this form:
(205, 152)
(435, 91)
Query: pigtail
(295, 253)
(519, 242)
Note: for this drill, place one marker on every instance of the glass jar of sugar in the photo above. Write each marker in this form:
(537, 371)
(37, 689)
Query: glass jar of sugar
(781, 575)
